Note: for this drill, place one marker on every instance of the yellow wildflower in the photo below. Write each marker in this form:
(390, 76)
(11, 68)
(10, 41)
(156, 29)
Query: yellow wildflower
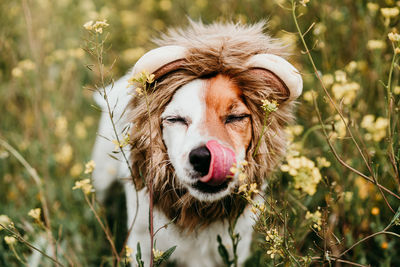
(89, 166)
(376, 129)
(327, 79)
(305, 174)
(84, 185)
(88, 25)
(316, 218)
(64, 156)
(76, 170)
(10, 240)
(80, 130)
(16, 72)
(269, 106)
(376, 45)
(309, 96)
(139, 91)
(128, 253)
(323, 162)
(304, 2)
(5, 221)
(372, 7)
(390, 12)
(394, 37)
(275, 241)
(396, 90)
(384, 245)
(375, 211)
(35, 213)
(61, 128)
(242, 188)
(157, 254)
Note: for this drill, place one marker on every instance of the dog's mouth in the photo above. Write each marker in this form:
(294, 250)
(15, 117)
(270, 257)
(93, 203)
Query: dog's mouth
(210, 189)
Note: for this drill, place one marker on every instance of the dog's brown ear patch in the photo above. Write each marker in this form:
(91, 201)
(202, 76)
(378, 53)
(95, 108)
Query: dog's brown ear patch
(281, 91)
(168, 68)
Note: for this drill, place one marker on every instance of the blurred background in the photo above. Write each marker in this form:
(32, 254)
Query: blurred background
(47, 116)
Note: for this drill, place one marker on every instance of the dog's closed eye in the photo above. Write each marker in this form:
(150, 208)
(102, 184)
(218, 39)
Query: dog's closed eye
(175, 120)
(236, 118)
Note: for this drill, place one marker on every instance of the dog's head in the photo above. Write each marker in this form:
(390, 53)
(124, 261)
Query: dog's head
(205, 110)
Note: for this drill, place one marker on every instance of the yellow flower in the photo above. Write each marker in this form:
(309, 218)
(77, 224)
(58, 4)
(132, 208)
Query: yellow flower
(253, 188)
(10, 240)
(35, 213)
(64, 156)
(376, 129)
(76, 170)
(394, 37)
(396, 90)
(323, 162)
(305, 174)
(16, 72)
(269, 106)
(165, 5)
(375, 211)
(309, 96)
(89, 166)
(99, 25)
(372, 7)
(128, 253)
(328, 79)
(397, 50)
(316, 218)
(61, 129)
(376, 45)
(88, 25)
(304, 2)
(84, 185)
(139, 91)
(242, 188)
(384, 245)
(157, 254)
(390, 12)
(80, 130)
(5, 221)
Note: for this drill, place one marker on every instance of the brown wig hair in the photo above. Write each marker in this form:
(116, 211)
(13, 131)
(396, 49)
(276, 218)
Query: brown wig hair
(212, 49)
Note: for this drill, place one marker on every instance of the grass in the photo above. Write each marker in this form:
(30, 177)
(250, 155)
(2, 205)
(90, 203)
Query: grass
(334, 199)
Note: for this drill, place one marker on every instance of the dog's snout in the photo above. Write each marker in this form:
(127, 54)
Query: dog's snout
(200, 159)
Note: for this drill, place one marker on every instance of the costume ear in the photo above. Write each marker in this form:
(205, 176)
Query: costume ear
(277, 72)
(161, 61)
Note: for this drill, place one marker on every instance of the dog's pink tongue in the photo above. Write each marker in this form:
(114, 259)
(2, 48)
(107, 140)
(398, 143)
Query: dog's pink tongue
(222, 159)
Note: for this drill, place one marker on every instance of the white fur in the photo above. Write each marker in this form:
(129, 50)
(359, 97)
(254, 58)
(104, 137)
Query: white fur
(198, 249)
(194, 249)
(189, 103)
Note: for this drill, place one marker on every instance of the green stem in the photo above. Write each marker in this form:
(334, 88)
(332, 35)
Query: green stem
(262, 133)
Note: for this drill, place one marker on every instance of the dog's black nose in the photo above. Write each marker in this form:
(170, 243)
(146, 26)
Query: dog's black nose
(200, 159)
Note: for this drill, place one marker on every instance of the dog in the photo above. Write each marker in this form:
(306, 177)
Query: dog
(202, 116)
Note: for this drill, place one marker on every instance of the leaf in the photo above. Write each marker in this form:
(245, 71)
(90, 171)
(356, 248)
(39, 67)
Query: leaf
(139, 256)
(223, 252)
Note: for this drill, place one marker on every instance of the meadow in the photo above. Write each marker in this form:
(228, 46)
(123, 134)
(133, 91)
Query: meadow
(335, 200)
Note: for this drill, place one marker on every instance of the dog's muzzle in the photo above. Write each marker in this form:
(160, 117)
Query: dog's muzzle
(213, 162)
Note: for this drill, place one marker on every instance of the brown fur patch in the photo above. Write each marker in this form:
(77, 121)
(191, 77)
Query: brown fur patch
(213, 49)
(223, 97)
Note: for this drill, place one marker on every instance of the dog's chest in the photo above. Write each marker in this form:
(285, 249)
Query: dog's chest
(198, 248)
